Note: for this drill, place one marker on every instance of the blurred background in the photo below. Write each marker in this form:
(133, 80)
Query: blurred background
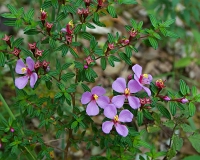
(174, 59)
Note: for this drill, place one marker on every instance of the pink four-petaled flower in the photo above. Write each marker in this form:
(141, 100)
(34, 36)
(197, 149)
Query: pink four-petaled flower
(93, 98)
(111, 112)
(27, 70)
(119, 85)
(142, 79)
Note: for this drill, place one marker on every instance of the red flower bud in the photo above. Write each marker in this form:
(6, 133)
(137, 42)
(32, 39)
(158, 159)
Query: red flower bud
(160, 84)
(111, 46)
(89, 60)
(7, 40)
(32, 47)
(16, 52)
(38, 52)
(48, 27)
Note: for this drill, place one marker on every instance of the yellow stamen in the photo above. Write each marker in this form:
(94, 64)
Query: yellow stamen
(160, 81)
(23, 70)
(127, 91)
(95, 96)
(71, 23)
(145, 75)
(116, 118)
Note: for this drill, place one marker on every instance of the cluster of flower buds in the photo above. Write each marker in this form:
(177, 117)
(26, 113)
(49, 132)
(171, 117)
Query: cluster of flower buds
(69, 31)
(83, 13)
(36, 52)
(145, 102)
(44, 64)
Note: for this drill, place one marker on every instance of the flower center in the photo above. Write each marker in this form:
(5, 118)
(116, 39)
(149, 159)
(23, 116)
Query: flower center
(95, 97)
(127, 92)
(144, 79)
(116, 119)
(23, 70)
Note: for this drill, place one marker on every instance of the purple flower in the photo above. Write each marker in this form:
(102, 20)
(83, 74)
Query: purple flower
(111, 112)
(119, 85)
(166, 98)
(94, 98)
(142, 79)
(21, 68)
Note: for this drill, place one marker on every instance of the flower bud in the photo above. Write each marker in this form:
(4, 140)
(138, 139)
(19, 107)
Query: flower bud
(85, 66)
(43, 16)
(160, 83)
(45, 65)
(89, 60)
(130, 76)
(38, 52)
(111, 46)
(16, 52)
(7, 40)
(48, 27)
(184, 100)
(37, 66)
(12, 129)
(166, 98)
(32, 47)
(125, 41)
(80, 11)
(133, 33)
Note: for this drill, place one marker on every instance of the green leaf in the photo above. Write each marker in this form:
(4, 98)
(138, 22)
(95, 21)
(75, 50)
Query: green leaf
(140, 118)
(70, 8)
(172, 34)
(8, 15)
(128, 51)
(192, 109)
(193, 157)
(17, 42)
(54, 3)
(187, 128)
(127, 1)
(32, 32)
(163, 31)
(12, 9)
(183, 87)
(66, 65)
(172, 107)
(10, 22)
(111, 61)
(74, 124)
(67, 76)
(110, 38)
(2, 59)
(153, 42)
(52, 43)
(164, 111)
(124, 57)
(61, 16)
(194, 90)
(168, 22)
(86, 35)
(65, 49)
(153, 20)
(195, 139)
(112, 12)
(134, 23)
(46, 4)
(85, 87)
(58, 95)
(177, 143)
(183, 62)
(89, 25)
(103, 63)
(72, 51)
(147, 114)
(77, 28)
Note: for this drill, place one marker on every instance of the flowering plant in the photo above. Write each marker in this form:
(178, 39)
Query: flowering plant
(65, 98)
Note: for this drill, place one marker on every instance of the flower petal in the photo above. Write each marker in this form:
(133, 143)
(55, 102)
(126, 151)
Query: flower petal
(118, 100)
(137, 69)
(92, 109)
(99, 91)
(20, 64)
(134, 102)
(121, 129)
(134, 86)
(21, 82)
(119, 85)
(30, 63)
(125, 116)
(110, 111)
(147, 90)
(33, 79)
(63, 30)
(86, 97)
(103, 101)
(107, 126)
